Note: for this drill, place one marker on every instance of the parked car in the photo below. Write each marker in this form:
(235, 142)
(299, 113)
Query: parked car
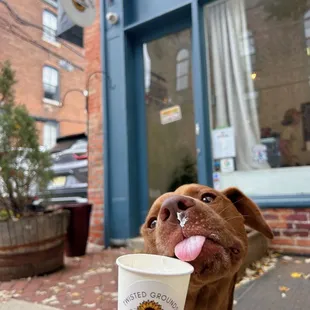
(70, 167)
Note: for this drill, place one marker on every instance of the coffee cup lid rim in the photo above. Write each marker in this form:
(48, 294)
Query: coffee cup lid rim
(189, 268)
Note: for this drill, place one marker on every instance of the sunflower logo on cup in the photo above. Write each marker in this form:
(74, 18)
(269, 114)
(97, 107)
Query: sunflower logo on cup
(79, 5)
(149, 305)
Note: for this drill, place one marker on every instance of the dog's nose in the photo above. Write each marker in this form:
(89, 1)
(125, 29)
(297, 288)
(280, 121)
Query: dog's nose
(173, 205)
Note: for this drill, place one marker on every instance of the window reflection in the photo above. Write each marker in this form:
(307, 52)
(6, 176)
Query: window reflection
(260, 89)
(182, 69)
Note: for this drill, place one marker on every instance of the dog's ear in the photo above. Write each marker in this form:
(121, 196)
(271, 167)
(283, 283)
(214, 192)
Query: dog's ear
(250, 211)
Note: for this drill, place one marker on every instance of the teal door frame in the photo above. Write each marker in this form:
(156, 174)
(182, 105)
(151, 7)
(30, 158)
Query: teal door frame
(125, 142)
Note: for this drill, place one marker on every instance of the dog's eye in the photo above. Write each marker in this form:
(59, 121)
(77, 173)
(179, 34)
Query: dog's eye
(152, 223)
(208, 198)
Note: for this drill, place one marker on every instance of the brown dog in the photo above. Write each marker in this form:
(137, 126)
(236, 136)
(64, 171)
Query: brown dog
(206, 228)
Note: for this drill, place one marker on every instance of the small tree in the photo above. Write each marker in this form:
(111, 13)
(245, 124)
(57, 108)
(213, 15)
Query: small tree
(24, 168)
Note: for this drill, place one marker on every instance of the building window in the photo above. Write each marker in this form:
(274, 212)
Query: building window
(49, 26)
(261, 130)
(307, 30)
(249, 44)
(248, 49)
(50, 133)
(53, 3)
(182, 69)
(51, 83)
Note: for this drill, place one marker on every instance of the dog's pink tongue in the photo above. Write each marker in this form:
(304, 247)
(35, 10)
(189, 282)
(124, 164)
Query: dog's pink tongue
(189, 249)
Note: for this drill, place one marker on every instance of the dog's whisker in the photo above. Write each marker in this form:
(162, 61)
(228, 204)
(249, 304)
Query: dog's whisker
(243, 198)
(238, 216)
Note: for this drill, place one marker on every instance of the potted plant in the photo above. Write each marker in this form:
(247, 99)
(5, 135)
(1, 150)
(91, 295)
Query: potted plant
(31, 240)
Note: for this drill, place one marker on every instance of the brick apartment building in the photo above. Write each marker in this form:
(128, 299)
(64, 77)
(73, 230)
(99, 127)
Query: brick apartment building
(46, 68)
(95, 129)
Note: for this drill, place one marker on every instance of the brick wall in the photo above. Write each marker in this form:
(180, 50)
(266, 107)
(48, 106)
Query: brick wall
(291, 228)
(28, 61)
(95, 133)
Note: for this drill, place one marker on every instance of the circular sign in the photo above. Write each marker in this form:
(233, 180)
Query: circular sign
(81, 12)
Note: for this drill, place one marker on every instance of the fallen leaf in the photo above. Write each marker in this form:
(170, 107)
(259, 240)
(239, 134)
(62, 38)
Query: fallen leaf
(306, 276)
(49, 300)
(249, 272)
(70, 286)
(284, 288)
(287, 258)
(16, 295)
(296, 275)
(54, 302)
(90, 305)
(39, 293)
(75, 294)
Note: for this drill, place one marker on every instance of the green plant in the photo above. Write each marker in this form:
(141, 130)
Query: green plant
(24, 168)
(186, 173)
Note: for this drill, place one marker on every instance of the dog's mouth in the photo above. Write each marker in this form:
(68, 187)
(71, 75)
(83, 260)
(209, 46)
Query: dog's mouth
(207, 254)
(190, 248)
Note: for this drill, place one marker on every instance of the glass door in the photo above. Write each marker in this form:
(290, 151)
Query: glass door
(169, 113)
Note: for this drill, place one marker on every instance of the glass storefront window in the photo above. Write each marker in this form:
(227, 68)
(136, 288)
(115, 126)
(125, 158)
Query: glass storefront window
(169, 113)
(258, 56)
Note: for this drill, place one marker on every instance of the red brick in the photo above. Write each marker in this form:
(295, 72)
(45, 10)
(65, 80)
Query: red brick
(276, 232)
(269, 216)
(303, 226)
(283, 241)
(284, 212)
(297, 217)
(303, 242)
(277, 224)
(296, 233)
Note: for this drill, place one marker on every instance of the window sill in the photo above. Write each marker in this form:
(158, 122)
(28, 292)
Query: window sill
(56, 44)
(274, 182)
(52, 102)
(282, 201)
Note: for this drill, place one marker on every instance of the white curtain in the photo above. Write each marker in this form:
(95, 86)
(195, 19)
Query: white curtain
(231, 82)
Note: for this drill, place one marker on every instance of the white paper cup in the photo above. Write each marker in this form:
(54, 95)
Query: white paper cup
(152, 282)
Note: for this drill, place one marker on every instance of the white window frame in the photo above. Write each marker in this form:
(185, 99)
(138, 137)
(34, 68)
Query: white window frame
(51, 80)
(49, 22)
(307, 31)
(182, 69)
(50, 134)
(248, 43)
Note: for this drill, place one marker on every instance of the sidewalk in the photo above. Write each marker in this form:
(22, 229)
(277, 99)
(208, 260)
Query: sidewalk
(287, 287)
(90, 282)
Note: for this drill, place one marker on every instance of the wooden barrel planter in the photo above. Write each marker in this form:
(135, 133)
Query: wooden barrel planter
(32, 245)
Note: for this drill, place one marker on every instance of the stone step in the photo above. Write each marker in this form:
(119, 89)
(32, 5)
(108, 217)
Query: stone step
(135, 244)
